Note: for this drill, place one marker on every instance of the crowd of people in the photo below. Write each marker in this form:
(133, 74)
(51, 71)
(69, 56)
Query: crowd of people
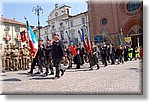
(15, 58)
(53, 53)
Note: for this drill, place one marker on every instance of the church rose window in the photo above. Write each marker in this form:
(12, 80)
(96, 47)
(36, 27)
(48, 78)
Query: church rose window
(104, 21)
(133, 5)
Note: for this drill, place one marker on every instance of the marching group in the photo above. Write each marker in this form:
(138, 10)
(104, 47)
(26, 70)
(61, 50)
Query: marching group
(53, 53)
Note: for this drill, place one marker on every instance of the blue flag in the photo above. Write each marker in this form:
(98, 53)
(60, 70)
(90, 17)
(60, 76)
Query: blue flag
(83, 35)
(80, 35)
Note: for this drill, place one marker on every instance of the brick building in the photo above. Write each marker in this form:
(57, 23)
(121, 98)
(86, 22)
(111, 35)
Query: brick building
(123, 18)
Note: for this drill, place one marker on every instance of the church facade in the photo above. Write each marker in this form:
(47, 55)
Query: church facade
(123, 18)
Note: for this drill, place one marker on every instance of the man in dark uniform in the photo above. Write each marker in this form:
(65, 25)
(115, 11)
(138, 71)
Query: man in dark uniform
(39, 58)
(111, 51)
(104, 54)
(81, 53)
(48, 58)
(57, 54)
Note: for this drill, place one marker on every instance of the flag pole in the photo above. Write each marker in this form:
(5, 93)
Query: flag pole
(27, 30)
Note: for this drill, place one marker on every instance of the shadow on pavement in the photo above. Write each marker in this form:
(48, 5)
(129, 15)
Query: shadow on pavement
(135, 69)
(23, 73)
(3, 75)
(77, 70)
(44, 78)
(11, 79)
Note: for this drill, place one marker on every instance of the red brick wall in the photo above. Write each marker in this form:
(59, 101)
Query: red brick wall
(117, 15)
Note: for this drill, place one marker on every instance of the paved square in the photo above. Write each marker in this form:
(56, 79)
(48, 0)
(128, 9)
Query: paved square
(114, 79)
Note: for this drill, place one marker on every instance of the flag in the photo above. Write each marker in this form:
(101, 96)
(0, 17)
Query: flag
(72, 48)
(23, 36)
(33, 41)
(80, 35)
(83, 40)
(87, 40)
(87, 45)
(68, 36)
(119, 40)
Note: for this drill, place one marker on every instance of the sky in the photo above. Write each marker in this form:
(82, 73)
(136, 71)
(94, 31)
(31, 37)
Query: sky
(19, 8)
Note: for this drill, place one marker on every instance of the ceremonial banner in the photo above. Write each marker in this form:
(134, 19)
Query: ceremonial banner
(33, 41)
(23, 36)
(128, 41)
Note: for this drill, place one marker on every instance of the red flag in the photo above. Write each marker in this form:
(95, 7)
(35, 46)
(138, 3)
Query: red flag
(23, 36)
(73, 50)
(88, 45)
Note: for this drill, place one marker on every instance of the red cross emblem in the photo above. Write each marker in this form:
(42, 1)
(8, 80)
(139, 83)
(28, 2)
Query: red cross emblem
(8, 37)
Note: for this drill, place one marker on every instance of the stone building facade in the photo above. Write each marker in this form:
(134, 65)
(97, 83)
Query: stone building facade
(62, 22)
(10, 32)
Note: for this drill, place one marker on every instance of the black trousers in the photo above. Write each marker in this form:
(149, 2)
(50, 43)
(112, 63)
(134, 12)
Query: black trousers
(82, 59)
(35, 60)
(49, 66)
(112, 57)
(104, 58)
(57, 63)
(39, 62)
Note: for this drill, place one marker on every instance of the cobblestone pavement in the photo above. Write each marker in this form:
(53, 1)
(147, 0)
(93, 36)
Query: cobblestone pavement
(114, 79)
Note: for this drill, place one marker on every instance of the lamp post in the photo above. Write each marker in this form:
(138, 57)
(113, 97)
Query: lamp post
(37, 11)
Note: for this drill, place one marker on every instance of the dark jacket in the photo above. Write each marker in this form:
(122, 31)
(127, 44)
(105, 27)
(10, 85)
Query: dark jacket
(57, 50)
(104, 51)
(48, 51)
(41, 53)
(119, 52)
(77, 57)
(113, 51)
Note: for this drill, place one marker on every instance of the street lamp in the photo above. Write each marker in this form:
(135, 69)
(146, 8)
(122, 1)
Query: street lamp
(37, 11)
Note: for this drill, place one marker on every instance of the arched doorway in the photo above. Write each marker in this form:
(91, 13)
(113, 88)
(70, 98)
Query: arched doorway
(134, 28)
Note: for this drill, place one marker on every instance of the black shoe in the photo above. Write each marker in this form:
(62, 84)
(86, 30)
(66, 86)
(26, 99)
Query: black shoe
(3, 71)
(46, 74)
(37, 73)
(98, 66)
(52, 73)
(56, 77)
(62, 72)
(30, 72)
(69, 67)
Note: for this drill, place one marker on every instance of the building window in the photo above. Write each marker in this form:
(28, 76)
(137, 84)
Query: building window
(104, 21)
(67, 11)
(7, 27)
(133, 5)
(83, 20)
(71, 23)
(53, 27)
(61, 24)
(56, 14)
(72, 33)
(17, 28)
(17, 33)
